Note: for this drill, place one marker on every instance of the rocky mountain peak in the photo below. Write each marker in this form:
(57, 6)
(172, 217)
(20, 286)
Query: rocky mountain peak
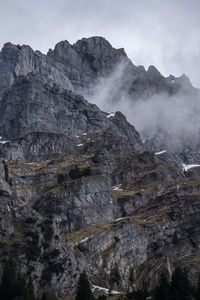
(20, 60)
(96, 45)
(153, 72)
(14, 50)
(87, 60)
(79, 190)
(184, 82)
(8, 46)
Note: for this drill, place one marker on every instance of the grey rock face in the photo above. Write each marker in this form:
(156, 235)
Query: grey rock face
(87, 60)
(33, 105)
(81, 65)
(120, 80)
(20, 60)
(37, 146)
(79, 204)
(55, 121)
(91, 59)
(121, 244)
(78, 190)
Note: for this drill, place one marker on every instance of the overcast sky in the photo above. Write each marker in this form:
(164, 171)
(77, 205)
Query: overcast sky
(165, 33)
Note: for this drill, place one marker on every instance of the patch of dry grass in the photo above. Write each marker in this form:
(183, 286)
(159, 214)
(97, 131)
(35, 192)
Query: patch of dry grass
(191, 260)
(89, 232)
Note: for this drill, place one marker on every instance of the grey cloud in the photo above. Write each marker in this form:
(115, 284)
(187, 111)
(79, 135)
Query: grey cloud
(162, 33)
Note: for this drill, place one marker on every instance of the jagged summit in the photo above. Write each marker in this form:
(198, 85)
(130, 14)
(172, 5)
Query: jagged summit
(89, 66)
(80, 66)
(88, 59)
(152, 71)
(97, 44)
(92, 67)
(93, 44)
(79, 190)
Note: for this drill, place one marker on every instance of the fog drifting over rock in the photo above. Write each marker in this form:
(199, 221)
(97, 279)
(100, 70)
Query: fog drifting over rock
(161, 33)
(175, 119)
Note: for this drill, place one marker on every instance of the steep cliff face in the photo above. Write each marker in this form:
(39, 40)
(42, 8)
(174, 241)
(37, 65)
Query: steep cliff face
(91, 59)
(80, 66)
(34, 103)
(88, 59)
(78, 188)
(40, 121)
(20, 60)
(107, 77)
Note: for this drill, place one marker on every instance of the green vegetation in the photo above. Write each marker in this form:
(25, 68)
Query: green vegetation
(137, 295)
(114, 276)
(7, 179)
(197, 296)
(6, 171)
(163, 291)
(13, 286)
(61, 178)
(175, 240)
(131, 276)
(83, 288)
(76, 172)
(102, 297)
(30, 220)
(32, 248)
(178, 289)
(180, 286)
(48, 296)
(47, 230)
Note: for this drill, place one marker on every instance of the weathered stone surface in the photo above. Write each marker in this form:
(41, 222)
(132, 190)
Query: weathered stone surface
(45, 120)
(87, 60)
(18, 60)
(78, 188)
(120, 243)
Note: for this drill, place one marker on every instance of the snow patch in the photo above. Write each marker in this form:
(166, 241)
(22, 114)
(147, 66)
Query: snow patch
(79, 145)
(111, 114)
(85, 133)
(187, 167)
(161, 152)
(117, 187)
(4, 142)
(83, 240)
(97, 288)
(119, 219)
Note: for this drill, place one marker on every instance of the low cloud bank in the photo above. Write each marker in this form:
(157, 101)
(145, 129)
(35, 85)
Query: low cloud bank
(172, 119)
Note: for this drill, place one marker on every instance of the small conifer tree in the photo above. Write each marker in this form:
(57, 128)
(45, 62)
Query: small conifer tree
(13, 286)
(131, 276)
(114, 276)
(180, 286)
(102, 297)
(197, 296)
(8, 288)
(163, 291)
(28, 293)
(83, 289)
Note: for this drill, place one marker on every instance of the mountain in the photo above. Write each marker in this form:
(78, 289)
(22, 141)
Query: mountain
(79, 189)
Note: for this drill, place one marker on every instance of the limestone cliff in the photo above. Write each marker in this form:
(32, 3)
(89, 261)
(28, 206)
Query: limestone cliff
(78, 188)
